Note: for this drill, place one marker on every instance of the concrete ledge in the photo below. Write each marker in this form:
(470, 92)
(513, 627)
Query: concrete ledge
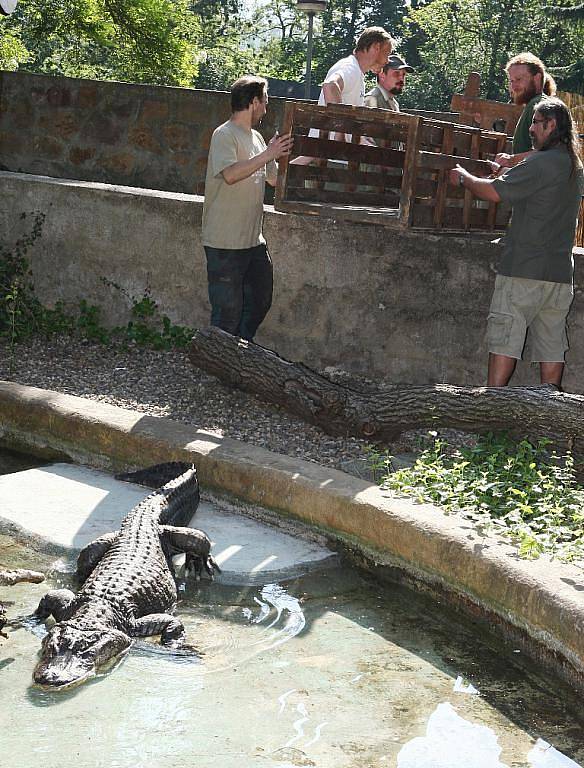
(541, 602)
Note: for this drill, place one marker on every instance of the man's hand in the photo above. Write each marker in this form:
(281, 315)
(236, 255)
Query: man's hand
(496, 168)
(456, 174)
(279, 146)
(504, 160)
(483, 188)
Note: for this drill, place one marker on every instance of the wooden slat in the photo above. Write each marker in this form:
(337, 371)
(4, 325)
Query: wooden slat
(410, 171)
(437, 162)
(468, 196)
(331, 124)
(371, 199)
(442, 187)
(342, 150)
(492, 217)
(298, 174)
(384, 216)
(283, 162)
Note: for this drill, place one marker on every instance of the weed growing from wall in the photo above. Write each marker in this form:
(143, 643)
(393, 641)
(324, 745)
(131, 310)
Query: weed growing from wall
(22, 315)
(516, 489)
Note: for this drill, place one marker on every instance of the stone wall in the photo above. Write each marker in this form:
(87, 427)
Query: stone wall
(402, 306)
(118, 133)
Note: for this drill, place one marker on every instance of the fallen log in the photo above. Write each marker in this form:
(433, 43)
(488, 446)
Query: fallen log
(381, 415)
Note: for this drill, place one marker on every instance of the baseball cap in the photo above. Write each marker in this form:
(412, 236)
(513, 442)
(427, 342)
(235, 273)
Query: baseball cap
(396, 62)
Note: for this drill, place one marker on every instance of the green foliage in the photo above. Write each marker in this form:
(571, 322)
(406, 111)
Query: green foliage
(518, 490)
(22, 314)
(153, 41)
(148, 328)
(455, 37)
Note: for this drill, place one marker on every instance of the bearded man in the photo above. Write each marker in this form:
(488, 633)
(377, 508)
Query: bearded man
(390, 83)
(529, 83)
(533, 287)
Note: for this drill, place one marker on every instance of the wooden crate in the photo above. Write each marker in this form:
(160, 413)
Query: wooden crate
(402, 181)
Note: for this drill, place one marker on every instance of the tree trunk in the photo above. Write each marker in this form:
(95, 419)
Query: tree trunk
(381, 415)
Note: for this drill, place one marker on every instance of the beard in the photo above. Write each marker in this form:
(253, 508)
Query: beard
(524, 96)
(396, 90)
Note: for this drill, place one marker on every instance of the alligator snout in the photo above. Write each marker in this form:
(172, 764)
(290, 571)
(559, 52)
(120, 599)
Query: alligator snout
(62, 671)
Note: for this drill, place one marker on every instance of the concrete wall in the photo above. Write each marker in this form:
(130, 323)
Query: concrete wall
(404, 306)
(119, 133)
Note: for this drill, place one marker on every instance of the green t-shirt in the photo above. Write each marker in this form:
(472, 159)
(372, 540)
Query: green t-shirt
(521, 137)
(545, 195)
(233, 213)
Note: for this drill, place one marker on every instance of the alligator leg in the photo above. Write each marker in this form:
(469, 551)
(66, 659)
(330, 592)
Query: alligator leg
(170, 629)
(55, 603)
(91, 554)
(192, 542)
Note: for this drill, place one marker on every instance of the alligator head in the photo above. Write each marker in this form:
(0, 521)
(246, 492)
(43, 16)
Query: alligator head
(70, 655)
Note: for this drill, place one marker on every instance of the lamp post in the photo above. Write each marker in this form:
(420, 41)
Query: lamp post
(311, 8)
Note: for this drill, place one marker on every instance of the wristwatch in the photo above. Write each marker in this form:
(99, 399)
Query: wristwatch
(461, 179)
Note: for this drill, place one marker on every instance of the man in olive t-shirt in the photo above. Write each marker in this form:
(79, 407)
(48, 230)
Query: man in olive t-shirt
(533, 288)
(239, 268)
(529, 83)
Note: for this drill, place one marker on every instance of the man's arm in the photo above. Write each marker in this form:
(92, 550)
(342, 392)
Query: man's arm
(508, 161)
(243, 169)
(333, 89)
(481, 188)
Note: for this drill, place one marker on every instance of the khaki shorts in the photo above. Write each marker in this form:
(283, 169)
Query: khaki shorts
(519, 304)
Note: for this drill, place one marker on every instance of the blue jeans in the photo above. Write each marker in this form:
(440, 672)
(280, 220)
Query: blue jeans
(240, 288)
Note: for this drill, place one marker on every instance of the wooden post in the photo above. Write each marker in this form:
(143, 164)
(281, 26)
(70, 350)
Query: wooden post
(408, 187)
(283, 163)
(468, 196)
(473, 85)
(442, 186)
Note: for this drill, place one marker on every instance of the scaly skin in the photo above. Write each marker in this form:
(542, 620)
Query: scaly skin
(130, 589)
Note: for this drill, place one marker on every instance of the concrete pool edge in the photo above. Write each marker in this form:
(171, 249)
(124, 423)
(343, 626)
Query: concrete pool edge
(540, 599)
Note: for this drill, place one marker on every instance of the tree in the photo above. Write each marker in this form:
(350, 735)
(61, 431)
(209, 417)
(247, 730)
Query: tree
(151, 41)
(458, 36)
(571, 76)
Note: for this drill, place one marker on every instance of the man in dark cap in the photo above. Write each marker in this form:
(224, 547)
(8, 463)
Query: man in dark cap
(390, 83)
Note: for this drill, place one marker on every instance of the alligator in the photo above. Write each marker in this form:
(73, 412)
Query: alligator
(129, 587)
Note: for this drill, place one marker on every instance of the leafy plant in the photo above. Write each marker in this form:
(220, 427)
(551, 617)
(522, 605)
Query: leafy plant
(516, 489)
(20, 311)
(22, 314)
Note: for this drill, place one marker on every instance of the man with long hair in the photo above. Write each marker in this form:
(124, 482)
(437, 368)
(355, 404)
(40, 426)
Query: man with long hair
(529, 83)
(239, 267)
(533, 287)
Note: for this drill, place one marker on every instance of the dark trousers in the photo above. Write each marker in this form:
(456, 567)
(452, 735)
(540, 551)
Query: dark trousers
(240, 288)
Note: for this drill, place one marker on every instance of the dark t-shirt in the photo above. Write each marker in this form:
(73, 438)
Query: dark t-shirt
(545, 196)
(521, 137)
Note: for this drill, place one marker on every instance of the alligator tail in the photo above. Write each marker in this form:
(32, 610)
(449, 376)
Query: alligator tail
(176, 501)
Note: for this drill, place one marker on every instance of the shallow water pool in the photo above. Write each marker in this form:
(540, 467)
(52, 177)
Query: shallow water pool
(329, 669)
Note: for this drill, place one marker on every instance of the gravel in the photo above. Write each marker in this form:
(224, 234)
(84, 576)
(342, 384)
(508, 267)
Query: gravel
(165, 384)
